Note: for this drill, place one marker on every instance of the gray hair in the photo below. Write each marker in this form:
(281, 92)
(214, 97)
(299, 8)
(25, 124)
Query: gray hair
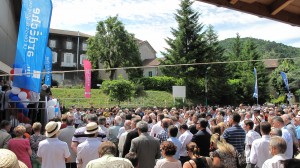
(142, 126)
(276, 132)
(118, 120)
(278, 143)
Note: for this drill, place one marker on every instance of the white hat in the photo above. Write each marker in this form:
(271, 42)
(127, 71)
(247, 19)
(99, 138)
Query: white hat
(8, 159)
(22, 165)
(298, 114)
(52, 128)
(91, 128)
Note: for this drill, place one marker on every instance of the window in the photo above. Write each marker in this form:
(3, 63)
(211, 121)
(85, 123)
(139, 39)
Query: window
(150, 73)
(54, 57)
(84, 46)
(52, 43)
(69, 45)
(82, 57)
(68, 60)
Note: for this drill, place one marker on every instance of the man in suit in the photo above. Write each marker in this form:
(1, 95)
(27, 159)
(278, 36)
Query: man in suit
(145, 146)
(130, 136)
(4, 135)
(202, 137)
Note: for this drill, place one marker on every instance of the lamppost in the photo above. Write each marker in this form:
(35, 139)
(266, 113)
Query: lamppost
(207, 69)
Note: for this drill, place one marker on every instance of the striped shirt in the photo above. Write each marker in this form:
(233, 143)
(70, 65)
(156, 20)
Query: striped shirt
(235, 135)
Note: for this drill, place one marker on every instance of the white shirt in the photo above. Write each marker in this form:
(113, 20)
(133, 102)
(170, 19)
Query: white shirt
(121, 131)
(156, 129)
(185, 138)
(260, 151)
(122, 140)
(53, 153)
(274, 162)
(250, 137)
(289, 142)
(77, 117)
(88, 150)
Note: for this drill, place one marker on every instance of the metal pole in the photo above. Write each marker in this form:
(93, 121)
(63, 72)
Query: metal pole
(77, 63)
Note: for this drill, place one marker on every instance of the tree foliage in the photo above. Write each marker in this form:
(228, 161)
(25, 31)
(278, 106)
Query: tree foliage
(114, 47)
(119, 90)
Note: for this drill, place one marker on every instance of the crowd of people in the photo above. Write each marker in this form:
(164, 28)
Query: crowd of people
(229, 137)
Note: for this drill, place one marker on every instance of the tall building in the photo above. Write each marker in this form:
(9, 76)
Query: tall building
(68, 52)
(10, 11)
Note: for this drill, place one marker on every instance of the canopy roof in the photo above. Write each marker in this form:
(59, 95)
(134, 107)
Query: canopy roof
(287, 11)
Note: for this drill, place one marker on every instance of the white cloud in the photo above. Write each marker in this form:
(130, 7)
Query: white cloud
(151, 20)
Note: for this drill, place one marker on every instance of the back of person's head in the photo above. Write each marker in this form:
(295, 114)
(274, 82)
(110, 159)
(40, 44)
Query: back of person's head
(102, 120)
(118, 120)
(275, 132)
(184, 127)
(165, 123)
(36, 127)
(142, 126)
(133, 157)
(4, 123)
(4, 88)
(173, 130)
(265, 128)
(278, 143)
(236, 117)
(70, 121)
(192, 147)
(92, 118)
(249, 123)
(107, 148)
(291, 163)
(227, 148)
(215, 129)
(19, 130)
(203, 122)
(160, 116)
(168, 147)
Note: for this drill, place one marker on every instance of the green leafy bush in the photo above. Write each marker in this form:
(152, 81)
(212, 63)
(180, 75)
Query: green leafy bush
(162, 83)
(119, 90)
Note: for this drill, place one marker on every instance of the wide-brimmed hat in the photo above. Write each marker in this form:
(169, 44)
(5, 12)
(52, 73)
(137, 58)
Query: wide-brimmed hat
(91, 128)
(8, 159)
(22, 165)
(52, 128)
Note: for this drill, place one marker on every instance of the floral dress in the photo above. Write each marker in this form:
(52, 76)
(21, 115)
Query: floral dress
(227, 161)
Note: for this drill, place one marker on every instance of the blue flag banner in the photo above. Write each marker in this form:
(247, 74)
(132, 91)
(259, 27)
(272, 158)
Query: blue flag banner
(32, 42)
(285, 80)
(48, 66)
(255, 94)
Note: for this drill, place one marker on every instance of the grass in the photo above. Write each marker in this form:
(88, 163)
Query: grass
(76, 97)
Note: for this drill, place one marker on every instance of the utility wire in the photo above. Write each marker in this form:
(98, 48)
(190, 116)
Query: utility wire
(157, 66)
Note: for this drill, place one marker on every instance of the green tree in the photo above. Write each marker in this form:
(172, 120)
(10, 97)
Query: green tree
(114, 47)
(218, 90)
(119, 90)
(188, 45)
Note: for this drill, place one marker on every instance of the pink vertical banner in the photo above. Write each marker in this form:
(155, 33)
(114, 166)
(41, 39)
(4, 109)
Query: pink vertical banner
(87, 74)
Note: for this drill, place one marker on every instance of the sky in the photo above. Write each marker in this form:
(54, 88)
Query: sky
(152, 20)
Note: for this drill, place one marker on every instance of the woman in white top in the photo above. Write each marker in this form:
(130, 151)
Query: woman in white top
(168, 150)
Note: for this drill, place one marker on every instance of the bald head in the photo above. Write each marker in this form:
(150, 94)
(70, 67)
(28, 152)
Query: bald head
(127, 124)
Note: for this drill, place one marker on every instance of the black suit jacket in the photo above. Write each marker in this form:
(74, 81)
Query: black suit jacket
(202, 139)
(130, 136)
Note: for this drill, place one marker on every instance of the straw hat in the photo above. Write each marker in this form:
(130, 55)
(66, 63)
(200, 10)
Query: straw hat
(8, 159)
(52, 128)
(22, 165)
(91, 128)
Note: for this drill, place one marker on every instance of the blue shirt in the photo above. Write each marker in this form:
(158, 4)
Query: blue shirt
(235, 135)
(178, 144)
(298, 132)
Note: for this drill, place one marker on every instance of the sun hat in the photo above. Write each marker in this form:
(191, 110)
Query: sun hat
(52, 128)
(8, 159)
(22, 165)
(91, 128)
